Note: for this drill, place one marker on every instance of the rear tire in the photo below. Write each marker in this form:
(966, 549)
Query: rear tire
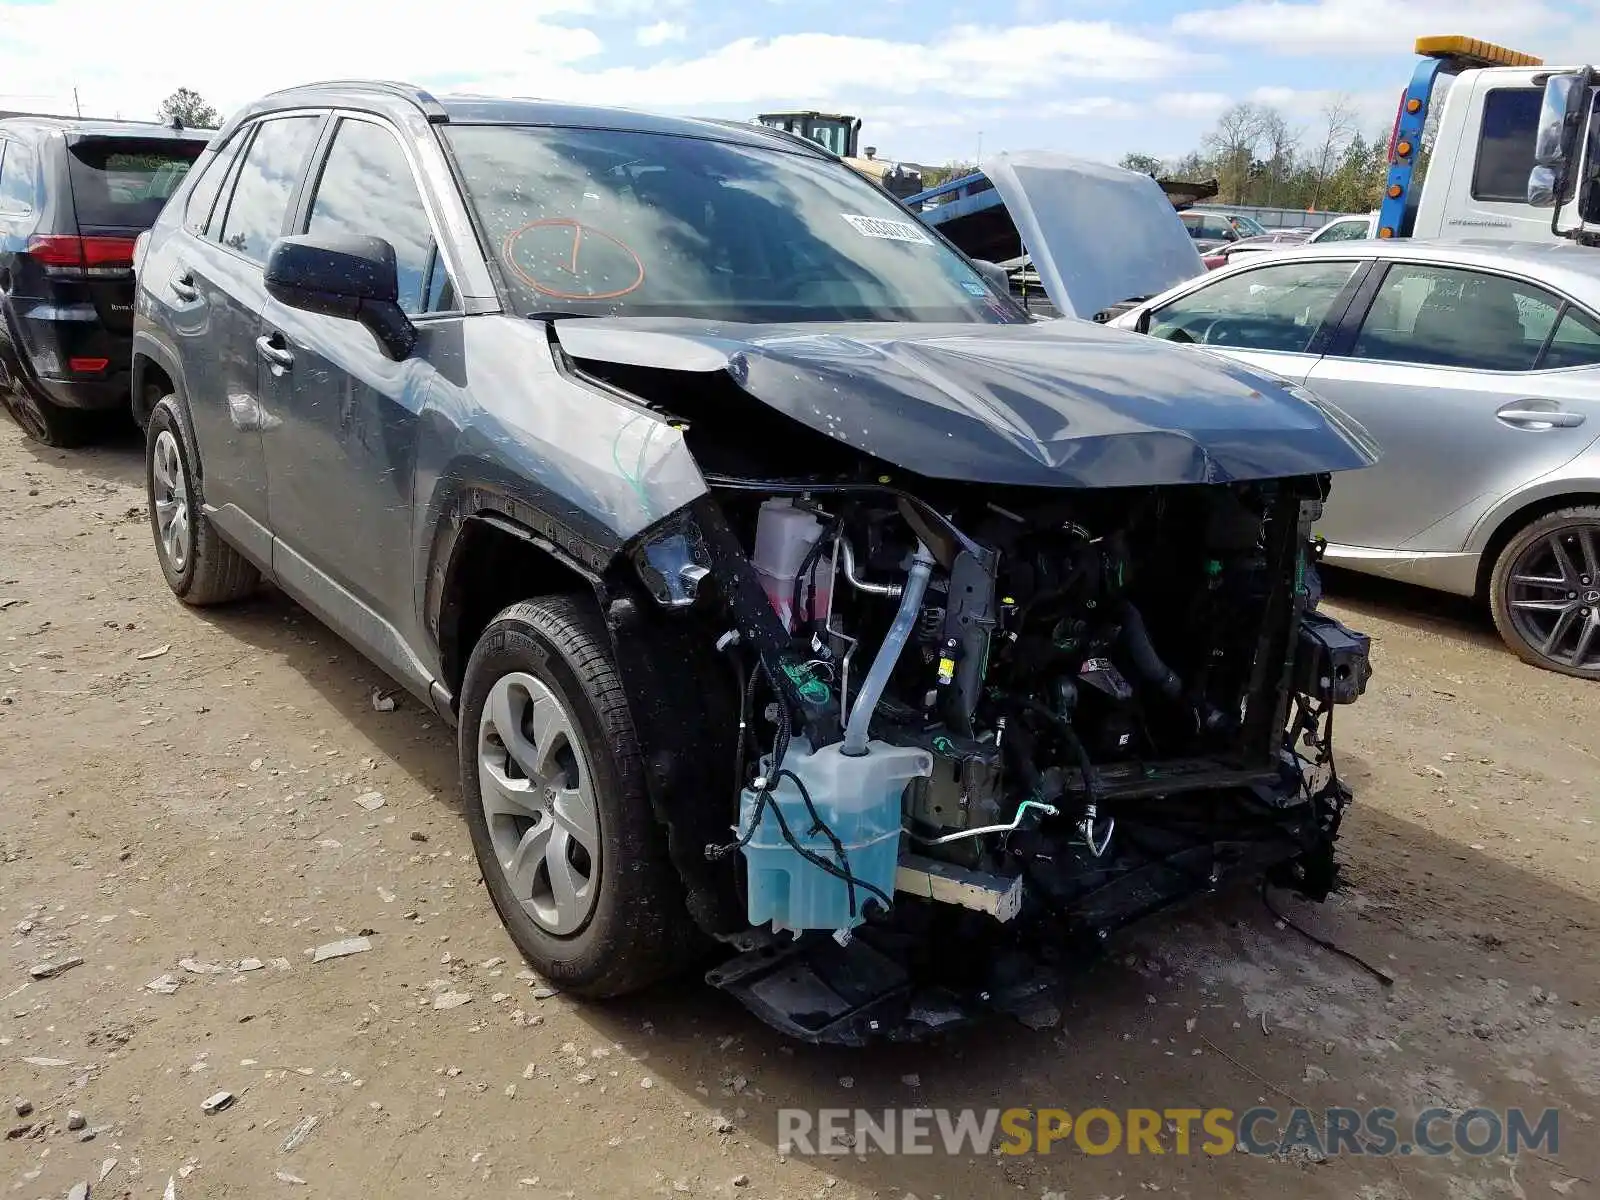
(201, 568)
(560, 819)
(45, 422)
(1544, 592)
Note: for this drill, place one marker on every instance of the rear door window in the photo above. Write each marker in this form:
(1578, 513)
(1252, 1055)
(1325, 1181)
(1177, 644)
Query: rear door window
(203, 196)
(266, 183)
(1446, 317)
(16, 178)
(122, 183)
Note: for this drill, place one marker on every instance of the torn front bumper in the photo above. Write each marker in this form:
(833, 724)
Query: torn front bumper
(932, 967)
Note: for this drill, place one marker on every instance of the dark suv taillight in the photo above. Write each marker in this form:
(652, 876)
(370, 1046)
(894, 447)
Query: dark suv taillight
(68, 254)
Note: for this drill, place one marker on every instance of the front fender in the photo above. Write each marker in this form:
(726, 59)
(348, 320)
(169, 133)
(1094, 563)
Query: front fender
(506, 428)
(580, 469)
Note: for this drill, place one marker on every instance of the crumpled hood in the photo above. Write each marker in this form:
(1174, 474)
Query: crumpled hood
(1055, 403)
(1098, 234)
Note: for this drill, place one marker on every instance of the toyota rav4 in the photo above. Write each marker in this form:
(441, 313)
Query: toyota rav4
(790, 589)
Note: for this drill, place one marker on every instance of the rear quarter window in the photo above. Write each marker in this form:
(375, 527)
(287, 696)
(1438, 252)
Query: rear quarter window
(122, 183)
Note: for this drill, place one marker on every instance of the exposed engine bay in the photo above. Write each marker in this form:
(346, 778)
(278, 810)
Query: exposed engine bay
(979, 729)
(952, 650)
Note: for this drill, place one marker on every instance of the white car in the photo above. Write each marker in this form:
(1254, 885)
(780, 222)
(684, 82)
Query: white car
(1346, 229)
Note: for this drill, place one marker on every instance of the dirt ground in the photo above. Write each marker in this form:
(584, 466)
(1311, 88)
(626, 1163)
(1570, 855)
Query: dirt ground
(178, 798)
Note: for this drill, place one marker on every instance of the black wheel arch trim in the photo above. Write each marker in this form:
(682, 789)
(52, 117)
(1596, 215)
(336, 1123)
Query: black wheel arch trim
(148, 348)
(504, 508)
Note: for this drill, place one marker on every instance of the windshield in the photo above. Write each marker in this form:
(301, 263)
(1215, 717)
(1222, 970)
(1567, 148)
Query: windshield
(1248, 226)
(603, 222)
(121, 183)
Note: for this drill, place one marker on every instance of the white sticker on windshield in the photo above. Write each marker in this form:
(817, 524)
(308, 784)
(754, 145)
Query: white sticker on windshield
(884, 227)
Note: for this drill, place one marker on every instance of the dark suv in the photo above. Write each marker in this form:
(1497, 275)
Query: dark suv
(779, 574)
(73, 197)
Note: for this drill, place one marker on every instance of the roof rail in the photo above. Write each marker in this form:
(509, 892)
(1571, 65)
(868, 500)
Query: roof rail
(422, 98)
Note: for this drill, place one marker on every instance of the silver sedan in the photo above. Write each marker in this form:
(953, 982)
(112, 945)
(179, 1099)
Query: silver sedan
(1476, 367)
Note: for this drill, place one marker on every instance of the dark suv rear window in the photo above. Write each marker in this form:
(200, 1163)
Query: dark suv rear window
(123, 182)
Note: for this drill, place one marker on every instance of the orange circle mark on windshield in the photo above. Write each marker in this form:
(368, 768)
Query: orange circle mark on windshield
(508, 253)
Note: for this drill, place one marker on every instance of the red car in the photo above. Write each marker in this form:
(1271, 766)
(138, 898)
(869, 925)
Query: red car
(1221, 256)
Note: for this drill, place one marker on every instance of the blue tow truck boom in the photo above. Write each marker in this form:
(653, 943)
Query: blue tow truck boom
(1441, 58)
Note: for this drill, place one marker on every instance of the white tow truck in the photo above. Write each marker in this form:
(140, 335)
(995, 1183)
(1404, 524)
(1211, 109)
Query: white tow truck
(1482, 104)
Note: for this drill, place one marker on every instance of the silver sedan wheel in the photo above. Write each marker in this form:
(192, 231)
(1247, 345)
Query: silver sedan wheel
(172, 501)
(1555, 596)
(538, 802)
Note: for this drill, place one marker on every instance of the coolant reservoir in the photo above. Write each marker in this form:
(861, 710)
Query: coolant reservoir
(784, 536)
(859, 799)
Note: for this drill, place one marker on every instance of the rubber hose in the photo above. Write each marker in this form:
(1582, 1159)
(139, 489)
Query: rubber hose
(1136, 638)
(855, 733)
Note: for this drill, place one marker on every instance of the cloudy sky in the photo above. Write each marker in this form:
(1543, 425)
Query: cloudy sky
(929, 79)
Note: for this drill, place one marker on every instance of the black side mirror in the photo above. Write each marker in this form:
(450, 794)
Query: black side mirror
(1562, 118)
(350, 277)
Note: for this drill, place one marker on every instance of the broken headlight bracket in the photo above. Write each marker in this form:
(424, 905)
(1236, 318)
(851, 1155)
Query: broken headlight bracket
(1332, 661)
(674, 559)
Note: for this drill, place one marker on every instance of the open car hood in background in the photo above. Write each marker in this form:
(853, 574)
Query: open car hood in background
(1097, 233)
(1053, 404)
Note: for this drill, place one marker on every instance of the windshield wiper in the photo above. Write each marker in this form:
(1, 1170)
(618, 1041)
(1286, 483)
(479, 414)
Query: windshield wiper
(554, 314)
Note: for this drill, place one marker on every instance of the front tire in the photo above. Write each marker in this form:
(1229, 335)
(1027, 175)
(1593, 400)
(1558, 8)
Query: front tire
(201, 568)
(556, 803)
(1544, 592)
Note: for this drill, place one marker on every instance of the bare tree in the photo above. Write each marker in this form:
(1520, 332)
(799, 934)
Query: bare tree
(1281, 142)
(1191, 166)
(1232, 145)
(1338, 127)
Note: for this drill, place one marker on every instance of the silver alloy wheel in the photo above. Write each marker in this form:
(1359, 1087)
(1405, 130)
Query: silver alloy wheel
(538, 803)
(1554, 596)
(172, 501)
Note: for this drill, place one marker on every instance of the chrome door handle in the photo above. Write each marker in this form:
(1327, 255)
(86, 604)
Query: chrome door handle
(183, 287)
(276, 355)
(1540, 418)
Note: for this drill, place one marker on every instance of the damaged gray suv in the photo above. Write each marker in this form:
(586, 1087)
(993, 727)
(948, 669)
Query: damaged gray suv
(802, 606)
